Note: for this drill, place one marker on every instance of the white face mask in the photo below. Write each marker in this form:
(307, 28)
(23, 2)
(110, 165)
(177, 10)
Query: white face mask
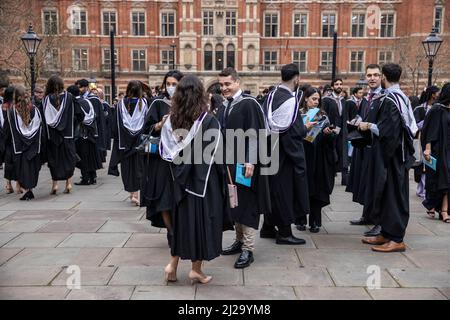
(170, 91)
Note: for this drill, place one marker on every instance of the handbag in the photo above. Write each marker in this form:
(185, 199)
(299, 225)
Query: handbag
(418, 154)
(148, 144)
(232, 192)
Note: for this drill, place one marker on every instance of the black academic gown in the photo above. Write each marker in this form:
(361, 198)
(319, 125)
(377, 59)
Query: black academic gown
(419, 115)
(321, 170)
(331, 108)
(289, 186)
(124, 152)
(435, 132)
(101, 142)
(388, 191)
(86, 137)
(198, 222)
(109, 121)
(26, 150)
(2, 136)
(156, 189)
(245, 113)
(61, 150)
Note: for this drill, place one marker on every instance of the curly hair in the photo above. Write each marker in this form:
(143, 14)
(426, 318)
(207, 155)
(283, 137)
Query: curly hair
(188, 102)
(22, 104)
(54, 87)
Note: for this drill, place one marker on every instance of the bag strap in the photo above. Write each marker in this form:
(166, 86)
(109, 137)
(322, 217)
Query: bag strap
(229, 176)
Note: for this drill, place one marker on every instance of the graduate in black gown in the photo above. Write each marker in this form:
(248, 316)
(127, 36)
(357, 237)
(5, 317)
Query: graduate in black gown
(199, 214)
(86, 136)
(2, 122)
(60, 117)
(129, 124)
(242, 114)
(156, 189)
(25, 128)
(108, 120)
(320, 163)
(288, 186)
(436, 143)
(392, 157)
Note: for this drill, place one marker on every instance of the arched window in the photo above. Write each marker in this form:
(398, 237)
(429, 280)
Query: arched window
(230, 56)
(208, 52)
(188, 55)
(219, 57)
(251, 56)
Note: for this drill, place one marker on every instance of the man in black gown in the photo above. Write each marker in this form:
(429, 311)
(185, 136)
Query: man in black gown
(392, 157)
(243, 112)
(289, 186)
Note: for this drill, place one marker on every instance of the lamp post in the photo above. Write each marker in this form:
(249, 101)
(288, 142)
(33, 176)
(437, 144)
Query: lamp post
(173, 46)
(31, 42)
(335, 42)
(431, 46)
(113, 63)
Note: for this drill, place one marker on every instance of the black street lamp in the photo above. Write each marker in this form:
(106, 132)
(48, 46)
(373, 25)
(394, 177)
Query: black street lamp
(31, 42)
(173, 46)
(431, 45)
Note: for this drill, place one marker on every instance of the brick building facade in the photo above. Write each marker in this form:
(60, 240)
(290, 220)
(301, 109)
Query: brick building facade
(255, 37)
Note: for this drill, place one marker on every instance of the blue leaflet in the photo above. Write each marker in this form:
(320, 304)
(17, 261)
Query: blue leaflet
(431, 164)
(310, 115)
(240, 176)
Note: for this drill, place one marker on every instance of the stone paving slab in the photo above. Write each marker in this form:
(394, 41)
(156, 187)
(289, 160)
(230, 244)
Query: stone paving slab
(37, 240)
(164, 293)
(406, 294)
(107, 215)
(138, 276)
(212, 292)
(430, 259)
(445, 291)
(331, 293)
(416, 228)
(358, 277)
(89, 276)
(107, 205)
(330, 241)
(417, 242)
(342, 216)
(39, 204)
(343, 258)
(6, 213)
(421, 278)
(23, 225)
(138, 257)
(33, 293)
(126, 226)
(73, 226)
(147, 240)
(5, 237)
(7, 253)
(27, 276)
(101, 293)
(41, 215)
(95, 240)
(344, 228)
(438, 227)
(59, 257)
(259, 276)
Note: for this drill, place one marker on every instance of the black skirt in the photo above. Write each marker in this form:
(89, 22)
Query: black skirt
(131, 171)
(90, 158)
(62, 159)
(10, 173)
(27, 171)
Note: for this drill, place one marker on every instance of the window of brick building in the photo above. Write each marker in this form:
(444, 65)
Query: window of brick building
(138, 23)
(138, 58)
(326, 60)
(167, 57)
(438, 17)
(230, 56)
(219, 57)
(168, 24)
(385, 57)
(328, 24)
(106, 62)
(50, 22)
(80, 59)
(270, 60)
(299, 58)
(51, 59)
(300, 25)
(358, 24)
(230, 23)
(208, 57)
(109, 21)
(271, 25)
(387, 25)
(357, 61)
(208, 23)
(79, 22)
(108, 93)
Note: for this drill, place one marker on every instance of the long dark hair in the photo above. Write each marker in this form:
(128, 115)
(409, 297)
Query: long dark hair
(22, 104)
(174, 74)
(188, 102)
(308, 93)
(54, 87)
(134, 90)
(428, 94)
(444, 97)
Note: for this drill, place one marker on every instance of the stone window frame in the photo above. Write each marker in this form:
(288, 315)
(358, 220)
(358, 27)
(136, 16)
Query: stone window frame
(87, 59)
(294, 24)
(132, 22)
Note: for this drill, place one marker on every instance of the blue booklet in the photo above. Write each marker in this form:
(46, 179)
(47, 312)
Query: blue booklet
(240, 176)
(310, 115)
(431, 163)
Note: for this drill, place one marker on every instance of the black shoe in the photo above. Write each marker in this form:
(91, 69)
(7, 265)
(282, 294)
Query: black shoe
(82, 183)
(360, 222)
(314, 228)
(93, 181)
(244, 260)
(375, 231)
(300, 227)
(289, 240)
(27, 196)
(268, 233)
(233, 249)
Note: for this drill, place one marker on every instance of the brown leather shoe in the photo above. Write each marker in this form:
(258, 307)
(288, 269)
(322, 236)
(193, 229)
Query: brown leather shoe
(390, 246)
(378, 240)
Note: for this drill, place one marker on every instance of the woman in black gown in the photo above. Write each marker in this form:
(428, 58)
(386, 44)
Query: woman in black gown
(25, 129)
(129, 124)
(156, 193)
(436, 143)
(200, 196)
(319, 161)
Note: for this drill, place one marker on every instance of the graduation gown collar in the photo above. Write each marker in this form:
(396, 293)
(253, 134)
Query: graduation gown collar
(281, 119)
(52, 116)
(133, 123)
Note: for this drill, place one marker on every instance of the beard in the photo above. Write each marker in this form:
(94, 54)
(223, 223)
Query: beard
(338, 91)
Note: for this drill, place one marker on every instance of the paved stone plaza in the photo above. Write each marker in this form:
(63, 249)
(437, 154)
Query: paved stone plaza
(122, 257)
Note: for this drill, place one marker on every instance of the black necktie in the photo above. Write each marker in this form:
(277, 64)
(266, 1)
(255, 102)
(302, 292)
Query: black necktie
(370, 98)
(226, 112)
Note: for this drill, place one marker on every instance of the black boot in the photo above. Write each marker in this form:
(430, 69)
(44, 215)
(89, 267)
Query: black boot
(233, 249)
(244, 260)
